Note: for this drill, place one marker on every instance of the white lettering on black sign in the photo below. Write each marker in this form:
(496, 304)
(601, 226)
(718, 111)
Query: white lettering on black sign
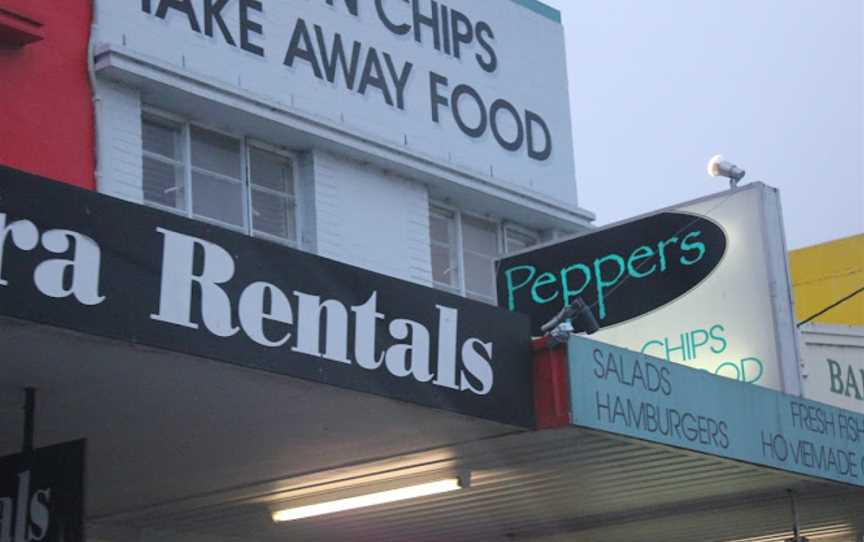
(42, 493)
(76, 259)
(261, 303)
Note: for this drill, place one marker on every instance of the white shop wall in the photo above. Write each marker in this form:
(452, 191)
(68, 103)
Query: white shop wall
(832, 359)
(366, 207)
(368, 171)
(371, 219)
(530, 74)
(118, 141)
(350, 211)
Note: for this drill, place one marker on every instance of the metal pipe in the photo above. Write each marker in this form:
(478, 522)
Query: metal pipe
(795, 525)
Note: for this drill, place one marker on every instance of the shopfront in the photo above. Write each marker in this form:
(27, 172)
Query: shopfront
(272, 286)
(218, 379)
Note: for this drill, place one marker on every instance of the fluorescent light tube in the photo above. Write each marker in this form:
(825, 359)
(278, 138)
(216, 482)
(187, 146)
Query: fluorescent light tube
(372, 499)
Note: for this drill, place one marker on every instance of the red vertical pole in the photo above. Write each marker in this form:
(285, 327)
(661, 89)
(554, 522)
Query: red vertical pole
(551, 387)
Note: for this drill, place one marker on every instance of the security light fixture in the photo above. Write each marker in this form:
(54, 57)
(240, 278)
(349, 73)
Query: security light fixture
(574, 318)
(371, 499)
(718, 167)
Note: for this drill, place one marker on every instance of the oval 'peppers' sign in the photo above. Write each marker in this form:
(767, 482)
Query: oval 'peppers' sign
(621, 272)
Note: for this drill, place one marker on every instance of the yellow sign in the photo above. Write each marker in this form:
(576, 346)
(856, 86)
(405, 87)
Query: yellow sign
(826, 273)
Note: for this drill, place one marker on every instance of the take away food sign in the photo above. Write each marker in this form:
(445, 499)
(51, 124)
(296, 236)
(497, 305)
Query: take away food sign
(704, 283)
(476, 86)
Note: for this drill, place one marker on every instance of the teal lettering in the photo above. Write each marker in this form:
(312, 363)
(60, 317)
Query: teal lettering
(681, 348)
(543, 280)
(715, 334)
(745, 373)
(697, 342)
(511, 288)
(649, 344)
(640, 253)
(603, 283)
(687, 246)
(565, 281)
(661, 250)
(720, 369)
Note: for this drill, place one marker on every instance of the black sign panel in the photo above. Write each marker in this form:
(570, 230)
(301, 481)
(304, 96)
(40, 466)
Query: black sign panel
(80, 260)
(621, 272)
(42, 494)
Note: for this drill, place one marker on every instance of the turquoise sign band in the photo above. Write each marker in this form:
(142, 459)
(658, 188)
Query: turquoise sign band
(539, 7)
(631, 394)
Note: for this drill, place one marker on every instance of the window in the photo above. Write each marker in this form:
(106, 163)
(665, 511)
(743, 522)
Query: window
(445, 254)
(479, 250)
(226, 180)
(464, 249)
(518, 239)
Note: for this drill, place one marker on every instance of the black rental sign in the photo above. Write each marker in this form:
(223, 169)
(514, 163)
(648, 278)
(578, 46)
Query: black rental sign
(621, 272)
(42, 494)
(76, 259)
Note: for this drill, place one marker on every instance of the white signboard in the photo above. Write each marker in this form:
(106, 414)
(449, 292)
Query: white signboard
(704, 284)
(478, 85)
(832, 358)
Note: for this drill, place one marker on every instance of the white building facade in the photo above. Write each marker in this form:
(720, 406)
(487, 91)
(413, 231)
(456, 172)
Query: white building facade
(418, 139)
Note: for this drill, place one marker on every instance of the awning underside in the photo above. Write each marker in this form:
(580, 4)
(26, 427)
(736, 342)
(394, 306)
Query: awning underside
(186, 449)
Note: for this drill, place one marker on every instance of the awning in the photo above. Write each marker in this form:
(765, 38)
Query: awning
(200, 432)
(182, 447)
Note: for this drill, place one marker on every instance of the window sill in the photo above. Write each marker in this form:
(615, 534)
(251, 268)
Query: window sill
(17, 30)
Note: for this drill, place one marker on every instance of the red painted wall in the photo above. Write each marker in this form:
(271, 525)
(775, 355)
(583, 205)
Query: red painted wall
(46, 107)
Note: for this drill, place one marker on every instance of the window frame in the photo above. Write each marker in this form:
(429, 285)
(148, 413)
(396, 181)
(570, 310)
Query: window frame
(246, 143)
(181, 162)
(243, 181)
(450, 213)
(507, 226)
(501, 228)
(251, 143)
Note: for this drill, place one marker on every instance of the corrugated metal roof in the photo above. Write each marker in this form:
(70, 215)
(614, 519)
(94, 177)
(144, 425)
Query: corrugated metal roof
(188, 446)
(555, 485)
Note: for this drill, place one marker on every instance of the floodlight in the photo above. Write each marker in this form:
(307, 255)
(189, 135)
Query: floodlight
(718, 167)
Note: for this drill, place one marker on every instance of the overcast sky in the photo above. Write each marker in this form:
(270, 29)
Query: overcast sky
(658, 87)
